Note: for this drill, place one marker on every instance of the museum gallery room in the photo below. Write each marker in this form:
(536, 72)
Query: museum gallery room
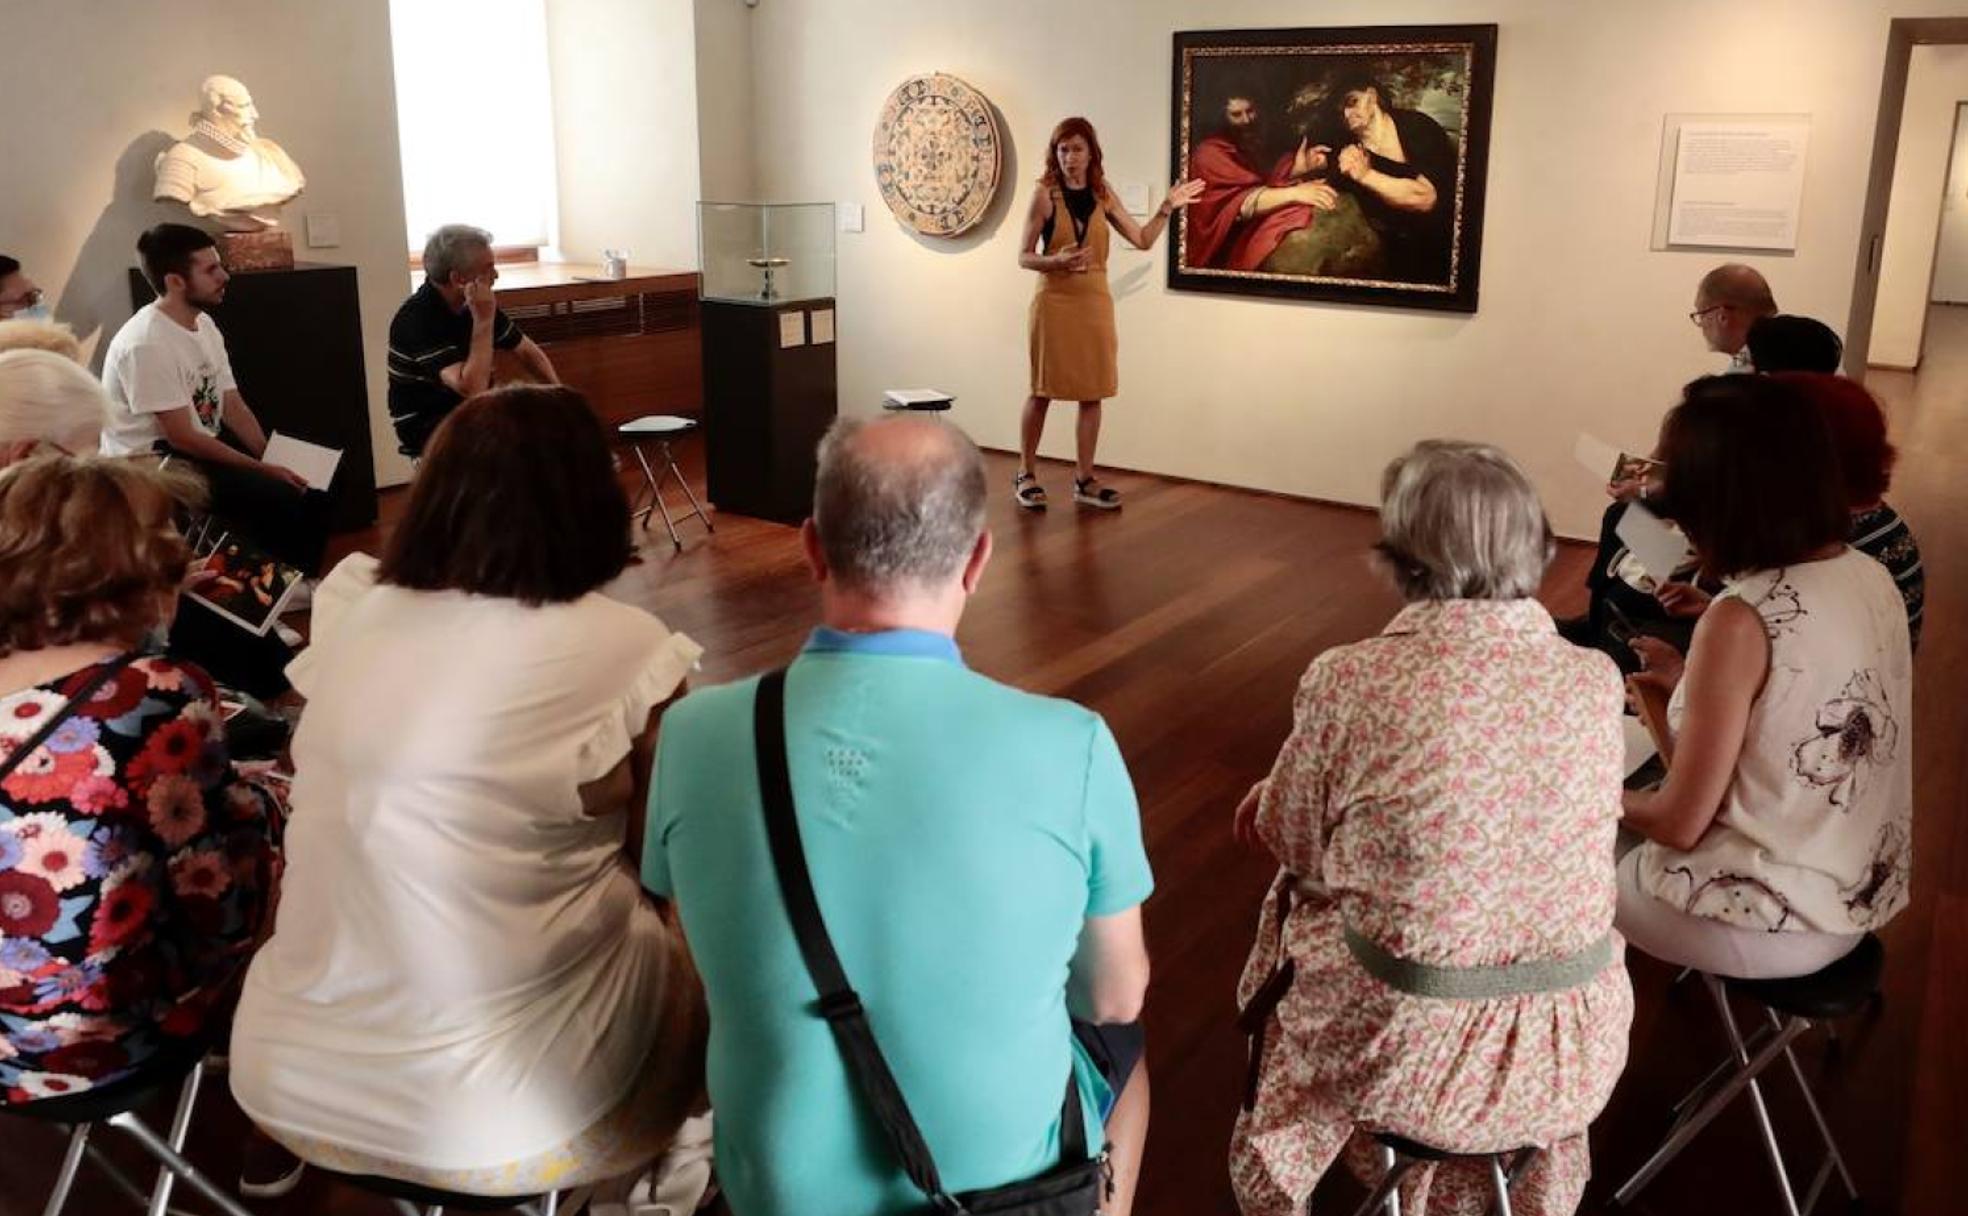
(576, 634)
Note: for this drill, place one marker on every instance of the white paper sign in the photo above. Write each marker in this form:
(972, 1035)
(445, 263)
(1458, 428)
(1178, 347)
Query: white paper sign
(314, 463)
(792, 329)
(823, 326)
(1738, 185)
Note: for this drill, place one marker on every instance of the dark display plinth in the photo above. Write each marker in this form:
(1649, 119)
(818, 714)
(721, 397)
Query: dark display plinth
(767, 401)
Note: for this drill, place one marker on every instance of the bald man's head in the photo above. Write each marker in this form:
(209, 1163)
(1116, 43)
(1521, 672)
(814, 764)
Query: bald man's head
(1740, 286)
(898, 503)
(1728, 300)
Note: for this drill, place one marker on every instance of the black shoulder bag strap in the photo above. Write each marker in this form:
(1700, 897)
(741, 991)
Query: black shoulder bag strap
(82, 695)
(839, 1003)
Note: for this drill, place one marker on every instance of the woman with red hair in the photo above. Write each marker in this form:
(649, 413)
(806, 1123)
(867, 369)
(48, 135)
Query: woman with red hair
(1865, 461)
(1073, 343)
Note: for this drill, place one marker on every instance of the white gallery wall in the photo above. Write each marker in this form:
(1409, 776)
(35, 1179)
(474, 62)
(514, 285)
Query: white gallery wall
(1581, 325)
(624, 80)
(724, 100)
(102, 87)
(1937, 82)
(1951, 248)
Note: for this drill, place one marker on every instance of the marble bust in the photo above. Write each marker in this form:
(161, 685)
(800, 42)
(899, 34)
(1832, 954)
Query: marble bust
(224, 170)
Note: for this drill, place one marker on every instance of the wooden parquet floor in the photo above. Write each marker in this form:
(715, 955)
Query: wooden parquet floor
(1186, 620)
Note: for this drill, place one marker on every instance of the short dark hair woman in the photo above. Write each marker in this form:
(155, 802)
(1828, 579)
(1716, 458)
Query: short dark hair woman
(1782, 833)
(1866, 459)
(467, 988)
(1074, 347)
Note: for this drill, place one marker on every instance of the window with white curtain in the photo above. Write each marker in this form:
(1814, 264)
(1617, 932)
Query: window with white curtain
(474, 113)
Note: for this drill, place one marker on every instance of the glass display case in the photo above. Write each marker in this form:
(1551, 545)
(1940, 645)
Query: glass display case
(766, 253)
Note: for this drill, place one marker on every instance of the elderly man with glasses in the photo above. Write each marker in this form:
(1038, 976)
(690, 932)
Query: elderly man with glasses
(1728, 301)
(1621, 599)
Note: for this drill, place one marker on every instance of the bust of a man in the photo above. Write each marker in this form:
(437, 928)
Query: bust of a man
(223, 170)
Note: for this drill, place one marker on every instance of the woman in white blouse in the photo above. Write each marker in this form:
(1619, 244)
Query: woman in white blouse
(466, 987)
(1783, 831)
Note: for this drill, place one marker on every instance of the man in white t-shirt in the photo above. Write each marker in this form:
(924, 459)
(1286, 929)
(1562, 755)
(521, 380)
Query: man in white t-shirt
(171, 387)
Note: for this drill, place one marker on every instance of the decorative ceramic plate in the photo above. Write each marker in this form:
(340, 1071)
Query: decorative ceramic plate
(937, 154)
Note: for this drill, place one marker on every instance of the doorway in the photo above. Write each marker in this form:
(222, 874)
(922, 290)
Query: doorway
(1871, 257)
(1951, 244)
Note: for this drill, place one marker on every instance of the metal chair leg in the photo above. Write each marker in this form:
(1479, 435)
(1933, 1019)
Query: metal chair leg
(1500, 1187)
(117, 1178)
(1817, 1115)
(160, 1193)
(78, 1142)
(696, 508)
(175, 1161)
(648, 484)
(1721, 994)
(1388, 1194)
(656, 502)
(1705, 1114)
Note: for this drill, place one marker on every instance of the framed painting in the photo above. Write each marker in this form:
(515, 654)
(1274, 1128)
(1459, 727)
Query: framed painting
(1338, 164)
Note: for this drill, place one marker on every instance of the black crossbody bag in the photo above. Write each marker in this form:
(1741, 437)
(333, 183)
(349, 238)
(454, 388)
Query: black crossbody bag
(82, 695)
(1075, 1187)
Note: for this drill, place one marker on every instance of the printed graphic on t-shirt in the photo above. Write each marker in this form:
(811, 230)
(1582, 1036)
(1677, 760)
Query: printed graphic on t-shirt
(205, 400)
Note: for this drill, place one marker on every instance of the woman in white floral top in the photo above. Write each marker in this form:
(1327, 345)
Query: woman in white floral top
(1436, 958)
(1783, 832)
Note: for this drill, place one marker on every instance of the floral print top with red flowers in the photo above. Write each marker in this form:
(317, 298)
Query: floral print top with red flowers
(134, 872)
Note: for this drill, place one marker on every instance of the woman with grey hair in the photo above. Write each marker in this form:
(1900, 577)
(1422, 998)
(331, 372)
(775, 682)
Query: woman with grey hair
(50, 402)
(1436, 958)
(46, 400)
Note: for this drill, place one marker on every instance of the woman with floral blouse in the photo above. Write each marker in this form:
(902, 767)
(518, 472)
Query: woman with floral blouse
(134, 866)
(1436, 958)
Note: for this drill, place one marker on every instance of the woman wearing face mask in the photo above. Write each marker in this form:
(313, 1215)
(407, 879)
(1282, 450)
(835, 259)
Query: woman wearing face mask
(1073, 342)
(19, 297)
(48, 401)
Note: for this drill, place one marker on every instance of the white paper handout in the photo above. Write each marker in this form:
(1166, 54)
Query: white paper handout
(1598, 456)
(792, 329)
(315, 464)
(1659, 547)
(822, 325)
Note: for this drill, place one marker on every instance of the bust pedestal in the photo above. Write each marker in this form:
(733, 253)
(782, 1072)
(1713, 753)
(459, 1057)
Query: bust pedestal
(245, 252)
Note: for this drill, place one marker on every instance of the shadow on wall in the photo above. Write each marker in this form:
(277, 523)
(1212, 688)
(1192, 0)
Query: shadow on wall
(1009, 188)
(95, 301)
(1132, 280)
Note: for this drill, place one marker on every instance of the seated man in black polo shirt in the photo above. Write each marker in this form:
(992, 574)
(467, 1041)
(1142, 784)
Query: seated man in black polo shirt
(442, 341)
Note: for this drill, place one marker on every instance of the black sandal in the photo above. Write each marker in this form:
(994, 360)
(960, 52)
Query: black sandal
(1027, 492)
(1087, 494)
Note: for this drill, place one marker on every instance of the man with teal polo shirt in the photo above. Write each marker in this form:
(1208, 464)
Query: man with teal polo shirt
(975, 851)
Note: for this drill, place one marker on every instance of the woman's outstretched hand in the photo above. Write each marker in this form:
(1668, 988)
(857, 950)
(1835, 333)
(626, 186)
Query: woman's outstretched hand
(1182, 194)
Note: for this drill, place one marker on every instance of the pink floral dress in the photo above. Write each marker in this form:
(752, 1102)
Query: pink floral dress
(1450, 791)
(134, 873)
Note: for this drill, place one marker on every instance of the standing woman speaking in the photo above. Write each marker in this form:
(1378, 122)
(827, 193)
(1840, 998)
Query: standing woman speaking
(1073, 341)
